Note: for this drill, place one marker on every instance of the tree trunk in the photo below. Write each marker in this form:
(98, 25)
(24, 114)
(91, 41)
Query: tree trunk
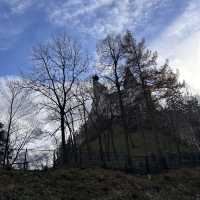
(140, 128)
(87, 141)
(125, 127)
(62, 125)
(112, 142)
(101, 152)
(6, 151)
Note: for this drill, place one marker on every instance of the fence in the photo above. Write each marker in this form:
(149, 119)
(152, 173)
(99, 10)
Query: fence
(33, 159)
(152, 163)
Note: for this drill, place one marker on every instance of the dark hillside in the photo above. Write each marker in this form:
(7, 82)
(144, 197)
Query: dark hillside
(98, 184)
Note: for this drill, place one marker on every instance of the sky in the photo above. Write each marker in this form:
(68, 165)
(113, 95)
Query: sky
(172, 27)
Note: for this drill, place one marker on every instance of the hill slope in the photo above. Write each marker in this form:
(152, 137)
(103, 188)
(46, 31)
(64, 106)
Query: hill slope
(98, 184)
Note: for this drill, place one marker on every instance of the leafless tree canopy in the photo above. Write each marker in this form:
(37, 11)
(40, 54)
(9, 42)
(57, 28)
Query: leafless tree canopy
(58, 65)
(19, 109)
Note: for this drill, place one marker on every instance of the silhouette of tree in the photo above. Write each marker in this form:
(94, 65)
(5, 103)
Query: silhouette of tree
(18, 109)
(58, 64)
(110, 54)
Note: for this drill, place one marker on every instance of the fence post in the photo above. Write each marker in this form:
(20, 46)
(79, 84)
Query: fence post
(25, 160)
(54, 158)
(147, 167)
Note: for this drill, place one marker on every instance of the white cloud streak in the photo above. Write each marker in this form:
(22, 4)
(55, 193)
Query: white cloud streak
(100, 17)
(180, 42)
(19, 6)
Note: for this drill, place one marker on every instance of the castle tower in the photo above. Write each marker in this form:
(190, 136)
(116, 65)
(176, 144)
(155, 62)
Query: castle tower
(95, 82)
(98, 88)
(129, 79)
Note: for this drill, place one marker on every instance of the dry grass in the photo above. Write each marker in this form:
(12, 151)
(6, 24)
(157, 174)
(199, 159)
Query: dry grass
(98, 184)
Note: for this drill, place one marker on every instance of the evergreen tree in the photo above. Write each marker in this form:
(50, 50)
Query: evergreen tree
(155, 81)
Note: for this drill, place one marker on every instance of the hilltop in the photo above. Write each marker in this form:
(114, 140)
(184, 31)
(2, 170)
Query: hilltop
(98, 184)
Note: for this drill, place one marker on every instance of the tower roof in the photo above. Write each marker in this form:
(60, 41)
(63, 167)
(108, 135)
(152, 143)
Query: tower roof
(129, 79)
(95, 78)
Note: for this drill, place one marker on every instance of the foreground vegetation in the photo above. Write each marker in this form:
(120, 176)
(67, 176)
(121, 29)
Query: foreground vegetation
(83, 184)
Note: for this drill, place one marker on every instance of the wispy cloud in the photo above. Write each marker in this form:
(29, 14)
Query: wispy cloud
(187, 23)
(94, 18)
(177, 31)
(72, 10)
(9, 30)
(14, 19)
(180, 42)
(100, 17)
(19, 6)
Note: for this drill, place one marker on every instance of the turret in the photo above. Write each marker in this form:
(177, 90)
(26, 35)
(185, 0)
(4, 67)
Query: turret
(129, 79)
(98, 88)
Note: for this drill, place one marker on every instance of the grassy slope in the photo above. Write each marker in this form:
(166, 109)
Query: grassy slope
(96, 184)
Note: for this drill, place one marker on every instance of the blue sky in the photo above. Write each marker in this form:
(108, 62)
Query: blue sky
(170, 26)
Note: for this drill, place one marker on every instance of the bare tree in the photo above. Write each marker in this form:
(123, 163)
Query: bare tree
(18, 108)
(111, 57)
(58, 64)
(83, 98)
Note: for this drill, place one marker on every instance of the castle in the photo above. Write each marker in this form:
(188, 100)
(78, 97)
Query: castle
(105, 105)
